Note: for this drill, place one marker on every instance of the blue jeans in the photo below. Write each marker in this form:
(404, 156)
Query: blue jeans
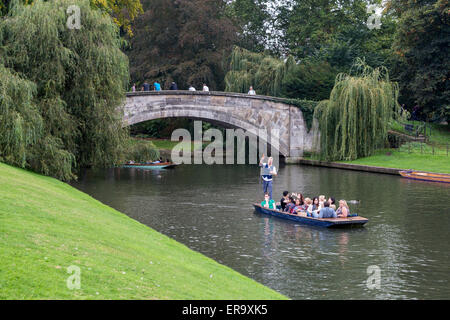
(267, 187)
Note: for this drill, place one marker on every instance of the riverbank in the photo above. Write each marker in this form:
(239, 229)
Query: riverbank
(47, 226)
(386, 161)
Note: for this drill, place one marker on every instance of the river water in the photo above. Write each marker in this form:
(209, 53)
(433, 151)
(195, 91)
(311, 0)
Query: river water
(209, 209)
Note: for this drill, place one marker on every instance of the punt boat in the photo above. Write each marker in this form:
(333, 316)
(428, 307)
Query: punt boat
(425, 176)
(161, 165)
(352, 221)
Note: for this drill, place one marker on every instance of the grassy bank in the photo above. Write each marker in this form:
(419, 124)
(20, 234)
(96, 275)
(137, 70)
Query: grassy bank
(47, 226)
(389, 158)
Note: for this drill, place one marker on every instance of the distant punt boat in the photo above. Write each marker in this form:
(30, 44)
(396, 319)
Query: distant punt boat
(162, 165)
(323, 222)
(425, 176)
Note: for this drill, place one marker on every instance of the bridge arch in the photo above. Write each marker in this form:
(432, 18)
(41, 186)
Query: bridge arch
(250, 113)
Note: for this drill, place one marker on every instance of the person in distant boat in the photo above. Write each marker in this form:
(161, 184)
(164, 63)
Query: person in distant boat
(268, 171)
(284, 200)
(343, 210)
(251, 91)
(160, 160)
(332, 203)
(267, 202)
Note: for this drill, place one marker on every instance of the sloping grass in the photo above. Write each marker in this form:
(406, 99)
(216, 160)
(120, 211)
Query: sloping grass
(47, 226)
(389, 158)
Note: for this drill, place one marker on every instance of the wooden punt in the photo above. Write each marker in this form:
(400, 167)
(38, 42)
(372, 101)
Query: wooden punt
(324, 222)
(162, 165)
(425, 176)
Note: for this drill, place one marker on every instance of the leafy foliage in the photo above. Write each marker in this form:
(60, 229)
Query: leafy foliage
(21, 123)
(264, 72)
(122, 11)
(423, 59)
(141, 151)
(355, 120)
(79, 78)
(185, 41)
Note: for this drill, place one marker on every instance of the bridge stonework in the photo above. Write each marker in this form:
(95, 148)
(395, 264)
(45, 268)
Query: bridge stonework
(251, 113)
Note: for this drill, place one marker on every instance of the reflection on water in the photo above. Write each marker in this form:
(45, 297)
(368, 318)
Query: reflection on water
(209, 208)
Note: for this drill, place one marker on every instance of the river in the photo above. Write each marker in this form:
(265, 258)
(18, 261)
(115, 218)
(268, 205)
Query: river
(209, 209)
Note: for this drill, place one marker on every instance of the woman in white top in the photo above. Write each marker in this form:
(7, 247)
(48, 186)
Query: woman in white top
(205, 88)
(251, 91)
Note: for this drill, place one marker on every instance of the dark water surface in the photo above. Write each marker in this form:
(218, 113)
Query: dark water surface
(208, 208)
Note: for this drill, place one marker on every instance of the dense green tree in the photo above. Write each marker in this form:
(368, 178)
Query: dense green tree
(185, 41)
(20, 121)
(262, 71)
(80, 78)
(355, 119)
(122, 11)
(421, 46)
(253, 20)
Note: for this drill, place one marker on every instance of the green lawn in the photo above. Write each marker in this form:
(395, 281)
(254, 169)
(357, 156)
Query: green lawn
(47, 226)
(404, 160)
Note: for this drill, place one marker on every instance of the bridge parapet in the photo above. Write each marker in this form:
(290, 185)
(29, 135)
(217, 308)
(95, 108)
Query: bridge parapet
(248, 112)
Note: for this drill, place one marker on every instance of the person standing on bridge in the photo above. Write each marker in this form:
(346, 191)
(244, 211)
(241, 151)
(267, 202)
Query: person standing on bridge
(251, 91)
(146, 86)
(173, 86)
(191, 88)
(205, 88)
(157, 86)
(267, 173)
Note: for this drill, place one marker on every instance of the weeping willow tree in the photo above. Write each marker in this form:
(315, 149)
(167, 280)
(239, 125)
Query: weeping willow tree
(354, 121)
(265, 73)
(20, 121)
(78, 77)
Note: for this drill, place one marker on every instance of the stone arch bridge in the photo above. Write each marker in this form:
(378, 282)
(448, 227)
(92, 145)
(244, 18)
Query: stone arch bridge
(231, 110)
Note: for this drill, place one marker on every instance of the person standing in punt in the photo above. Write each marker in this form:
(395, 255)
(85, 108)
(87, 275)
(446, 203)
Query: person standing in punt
(268, 171)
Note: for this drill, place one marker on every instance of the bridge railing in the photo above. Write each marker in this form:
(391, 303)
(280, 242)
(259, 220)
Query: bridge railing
(208, 93)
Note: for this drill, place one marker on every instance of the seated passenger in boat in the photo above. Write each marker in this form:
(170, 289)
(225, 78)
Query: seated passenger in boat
(326, 211)
(267, 202)
(343, 211)
(290, 206)
(313, 207)
(284, 200)
(158, 161)
(298, 206)
(322, 199)
(332, 202)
